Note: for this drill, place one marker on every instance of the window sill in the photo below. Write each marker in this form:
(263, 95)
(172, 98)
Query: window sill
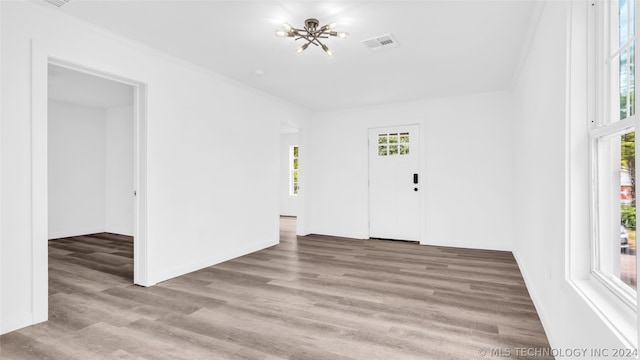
(614, 312)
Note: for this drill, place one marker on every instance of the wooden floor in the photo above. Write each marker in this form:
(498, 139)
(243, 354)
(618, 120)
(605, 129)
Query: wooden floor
(314, 297)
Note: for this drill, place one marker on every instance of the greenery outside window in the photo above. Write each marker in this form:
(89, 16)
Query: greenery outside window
(294, 186)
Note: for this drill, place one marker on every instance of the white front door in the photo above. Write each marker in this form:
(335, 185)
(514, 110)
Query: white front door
(394, 183)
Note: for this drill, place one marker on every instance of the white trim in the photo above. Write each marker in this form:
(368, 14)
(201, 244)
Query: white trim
(304, 158)
(3, 323)
(621, 290)
(606, 125)
(425, 184)
(567, 146)
(636, 118)
(622, 47)
(91, 71)
(41, 57)
(345, 235)
(75, 232)
(614, 305)
(618, 318)
(140, 251)
(467, 245)
(613, 128)
(39, 181)
(537, 304)
(141, 243)
(214, 260)
(15, 322)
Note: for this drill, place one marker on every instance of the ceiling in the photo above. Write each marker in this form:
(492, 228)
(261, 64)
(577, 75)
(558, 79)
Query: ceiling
(80, 88)
(447, 48)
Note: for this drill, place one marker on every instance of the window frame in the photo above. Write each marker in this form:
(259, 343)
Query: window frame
(399, 144)
(293, 191)
(605, 124)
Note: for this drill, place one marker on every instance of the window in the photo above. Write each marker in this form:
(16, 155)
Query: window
(294, 186)
(613, 139)
(393, 144)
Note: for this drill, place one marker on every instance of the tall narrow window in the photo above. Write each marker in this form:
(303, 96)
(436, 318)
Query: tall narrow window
(613, 142)
(294, 186)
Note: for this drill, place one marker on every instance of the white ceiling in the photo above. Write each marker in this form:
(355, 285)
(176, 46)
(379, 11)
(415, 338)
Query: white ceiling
(80, 88)
(448, 48)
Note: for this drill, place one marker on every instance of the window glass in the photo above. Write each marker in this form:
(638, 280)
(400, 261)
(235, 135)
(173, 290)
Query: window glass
(294, 186)
(404, 149)
(393, 144)
(617, 209)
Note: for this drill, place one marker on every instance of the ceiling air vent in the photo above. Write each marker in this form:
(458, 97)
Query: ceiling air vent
(381, 42)
(57, 3)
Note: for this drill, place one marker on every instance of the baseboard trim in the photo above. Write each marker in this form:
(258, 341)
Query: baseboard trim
(546, 325)
(77, 232)
(201, 264)
(16, 322)
(357, 236)
(118, 231)
(467, 245)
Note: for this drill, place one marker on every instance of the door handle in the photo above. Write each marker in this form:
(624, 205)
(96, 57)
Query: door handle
(415, 178)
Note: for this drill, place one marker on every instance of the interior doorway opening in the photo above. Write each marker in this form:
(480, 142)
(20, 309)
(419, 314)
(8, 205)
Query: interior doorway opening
(96, 172)
(90, 172)
(290, 192)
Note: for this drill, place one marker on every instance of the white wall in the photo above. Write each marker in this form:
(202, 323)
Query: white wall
(540, 165)
(76, 169)
(201, 185)
(288, 203)
(90, 170)
(504, 169)
(467, 158)
(119, 171)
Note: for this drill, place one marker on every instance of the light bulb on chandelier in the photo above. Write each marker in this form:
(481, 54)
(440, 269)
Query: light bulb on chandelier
(302, 48)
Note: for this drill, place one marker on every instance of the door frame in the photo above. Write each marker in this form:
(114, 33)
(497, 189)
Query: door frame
(39, 167)
(300, 208)
(422, 161)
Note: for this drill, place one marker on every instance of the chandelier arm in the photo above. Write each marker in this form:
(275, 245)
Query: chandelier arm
(311, 33)
(315, 38)
(310, 39)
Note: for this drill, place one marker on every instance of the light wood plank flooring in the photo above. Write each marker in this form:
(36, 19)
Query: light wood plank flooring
(314, 297)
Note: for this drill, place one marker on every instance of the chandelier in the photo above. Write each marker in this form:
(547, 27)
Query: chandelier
(312, 33)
